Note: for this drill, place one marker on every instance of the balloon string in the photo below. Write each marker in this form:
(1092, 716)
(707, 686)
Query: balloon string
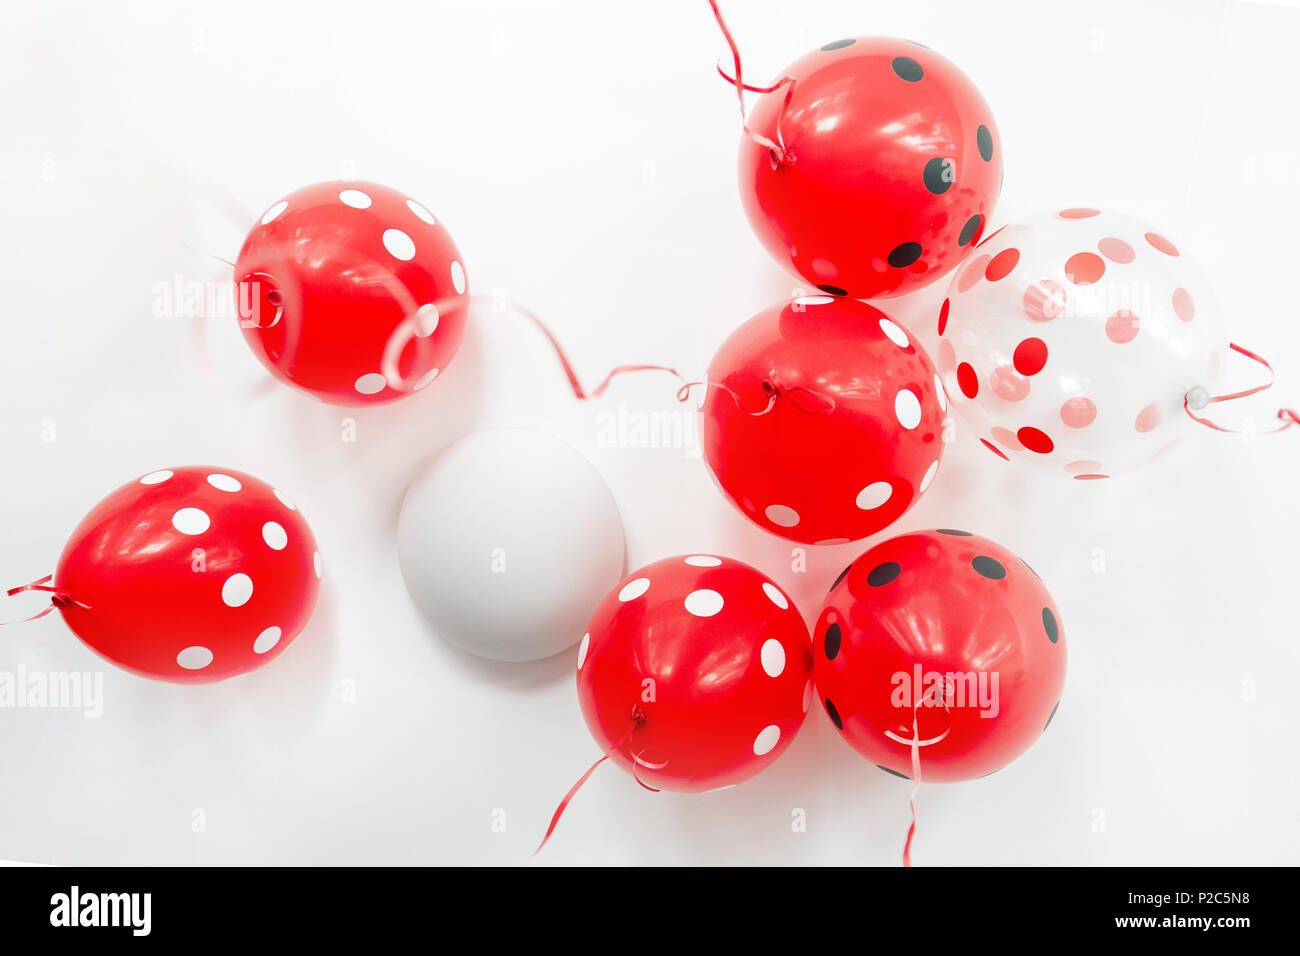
(778, 151)
(916, 788)
(638, 717)
(58, 598)
(1287, 416)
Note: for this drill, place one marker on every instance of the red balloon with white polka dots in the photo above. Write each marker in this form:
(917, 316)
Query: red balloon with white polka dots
(1071, 339)
(943, 640)
(697, 671)
(822, 419)
(885, 168)
(189, 574)
(353, 292)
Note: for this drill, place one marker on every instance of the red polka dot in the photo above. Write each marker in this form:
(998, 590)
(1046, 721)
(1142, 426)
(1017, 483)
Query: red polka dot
(943, 315)
(1148, 418)
(1161, 244)
(1184, 307)
(1044, 300)
(1007, 438)
(1082, 467)
(1084, 268)
(1122, 326)
(971, 274)
(1079, 412)
(1010, 385)
(1000, 266)
(967, 380)
(994, 448)
(1116, 250)
(1035, 440)
(1030, 356)
(1078, 213)
(1089, 477)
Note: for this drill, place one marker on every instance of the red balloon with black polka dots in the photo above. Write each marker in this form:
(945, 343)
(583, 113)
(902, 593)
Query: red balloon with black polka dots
(189, 574)
(886, 169)
(822, 419)
(948, 633)
(353, 292)
(695, 673)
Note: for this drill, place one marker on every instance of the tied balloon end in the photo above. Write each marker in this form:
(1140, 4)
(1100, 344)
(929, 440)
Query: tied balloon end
(1199, 398)
(777, 153)
(59, 599)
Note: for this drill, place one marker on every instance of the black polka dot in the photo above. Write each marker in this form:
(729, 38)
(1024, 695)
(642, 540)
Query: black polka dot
(840, 580)
(970, 230)
(963, 534)
(984, 140)
(905, 254)
(839, 44)
(882, 574)
(988, 567)
(908, 69)
(893, 772)
(832, 290)
(1049, 625)
(1051, 715)
(831, 643)
(938, 175)
(833, 714)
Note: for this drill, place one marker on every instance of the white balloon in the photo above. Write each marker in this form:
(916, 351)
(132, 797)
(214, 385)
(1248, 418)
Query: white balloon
(1071, 338)
(507, 542)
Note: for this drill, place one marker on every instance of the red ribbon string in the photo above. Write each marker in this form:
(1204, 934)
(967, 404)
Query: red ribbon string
(58, 598)
(777, 149)
(638, 717)
(1285, 415)
(916, 788)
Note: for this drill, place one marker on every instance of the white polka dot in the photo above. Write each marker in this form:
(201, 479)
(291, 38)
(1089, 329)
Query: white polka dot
(266, 640)
(814, 300)
(582, 650)
(156, 477)
(372, 383)
(908, 408)
(237, 590)
(704, 602)
(773, 657)
(355, 198)
(224, 483)
(781, 515)
(273, 213)
(458, 276)
(874, 495)
(191, 521)
(703, 561)
(426, 379)
(399, 244)
(284, 499)
(807, 696)
(315, 560)
(894, 333)
(767, 739)
(774, 594)
(634, 589)
(929, 475)
(938, 391)
(420, 211)
(194, 658)
(426, 320)
(274, 535)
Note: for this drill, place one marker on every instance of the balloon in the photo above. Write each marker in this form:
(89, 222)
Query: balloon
(822, 419)
(338, 274)
(507, 542)
(1071, 339)
(887, 170)
(190, 575)
(950, 630)
(697, 671)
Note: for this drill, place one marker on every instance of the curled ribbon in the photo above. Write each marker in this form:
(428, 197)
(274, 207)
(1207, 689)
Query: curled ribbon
(1198, 398)
(777, 150)
(58, 598)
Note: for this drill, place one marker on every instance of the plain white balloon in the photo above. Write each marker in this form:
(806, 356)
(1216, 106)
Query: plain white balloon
(507, 542)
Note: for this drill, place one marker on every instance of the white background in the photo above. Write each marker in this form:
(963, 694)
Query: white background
(583, 156)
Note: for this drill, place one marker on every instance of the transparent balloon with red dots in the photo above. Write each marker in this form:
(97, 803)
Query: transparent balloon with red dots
(1071, 338)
